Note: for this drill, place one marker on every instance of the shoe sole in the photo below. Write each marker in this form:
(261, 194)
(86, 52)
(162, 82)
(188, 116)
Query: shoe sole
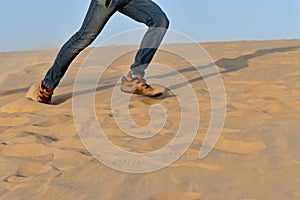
(157, 94)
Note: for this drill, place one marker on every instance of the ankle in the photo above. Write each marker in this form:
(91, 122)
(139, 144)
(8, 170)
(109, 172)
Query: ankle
(130, 77)
(46, 88)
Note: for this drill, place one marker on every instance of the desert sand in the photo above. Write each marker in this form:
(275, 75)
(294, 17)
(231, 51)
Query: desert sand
(256, 157)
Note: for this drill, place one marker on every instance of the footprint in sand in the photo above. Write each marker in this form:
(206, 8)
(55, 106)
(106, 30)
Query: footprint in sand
(22, 172)
(25, 105)
(24, 178)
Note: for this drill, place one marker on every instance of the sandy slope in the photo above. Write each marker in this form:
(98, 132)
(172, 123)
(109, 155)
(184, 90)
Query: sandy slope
(256, 157)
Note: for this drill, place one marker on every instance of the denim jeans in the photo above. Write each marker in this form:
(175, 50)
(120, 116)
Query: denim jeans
(99, 12)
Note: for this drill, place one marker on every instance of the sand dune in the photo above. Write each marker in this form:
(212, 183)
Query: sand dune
(256, 157)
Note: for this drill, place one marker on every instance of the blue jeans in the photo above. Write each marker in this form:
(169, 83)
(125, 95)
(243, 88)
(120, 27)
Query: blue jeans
(99, 12)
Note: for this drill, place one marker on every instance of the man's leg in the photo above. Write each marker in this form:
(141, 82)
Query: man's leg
(149, 13)
(96, 17)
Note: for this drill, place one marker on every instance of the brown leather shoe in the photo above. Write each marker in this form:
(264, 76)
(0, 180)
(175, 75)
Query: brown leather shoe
(44, 94)
(138, 85)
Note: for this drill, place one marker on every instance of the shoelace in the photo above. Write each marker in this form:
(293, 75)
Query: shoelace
(146, 85)
(44, 96)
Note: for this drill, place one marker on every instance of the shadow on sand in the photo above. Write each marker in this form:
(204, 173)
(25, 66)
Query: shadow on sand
(227, 64)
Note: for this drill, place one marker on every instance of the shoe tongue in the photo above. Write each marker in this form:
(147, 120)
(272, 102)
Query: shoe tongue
(136, 77)
(140, 78)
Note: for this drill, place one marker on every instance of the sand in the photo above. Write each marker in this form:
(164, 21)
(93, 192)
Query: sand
(256, 157)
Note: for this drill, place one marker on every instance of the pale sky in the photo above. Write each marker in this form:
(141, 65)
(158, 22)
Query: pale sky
(47, 24)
